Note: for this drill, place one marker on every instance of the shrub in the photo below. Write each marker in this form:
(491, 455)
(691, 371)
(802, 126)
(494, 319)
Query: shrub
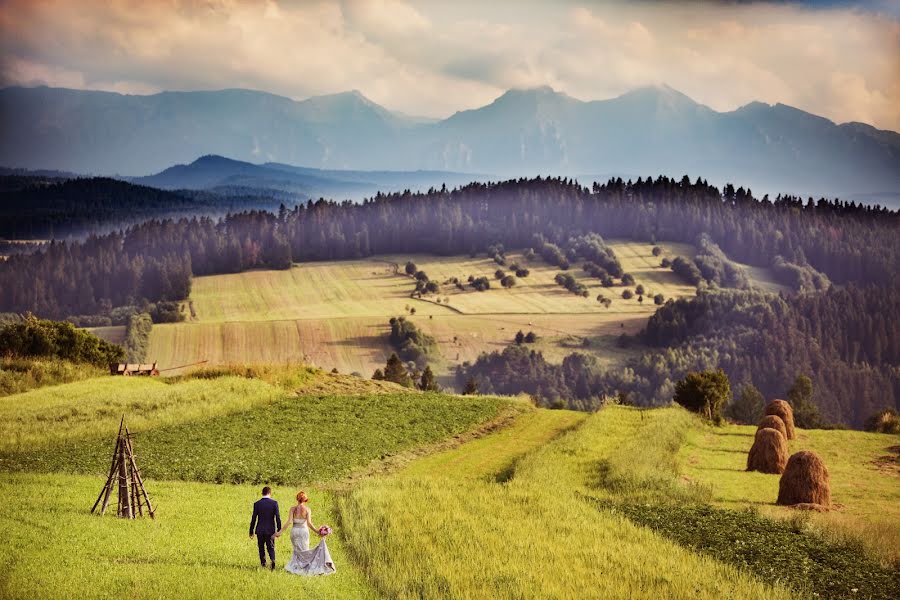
(137, 336)
(35, 337)
(704, 393)
(884, 421)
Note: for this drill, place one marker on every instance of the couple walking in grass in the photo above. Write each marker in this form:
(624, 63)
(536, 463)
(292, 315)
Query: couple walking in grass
(265, 524)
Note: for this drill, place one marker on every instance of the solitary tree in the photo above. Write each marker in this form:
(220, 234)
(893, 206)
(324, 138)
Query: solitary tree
(627, 294)
(806, 413)
(411, 268)
(657, 250)
(627, 279)
(639, 290)
(704, 393)
(531, 337)
(659, 299)
(378, 375)
(520, 337)
(499, 274)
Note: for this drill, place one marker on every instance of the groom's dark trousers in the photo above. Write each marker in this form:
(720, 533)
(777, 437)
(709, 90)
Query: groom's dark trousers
(266, 520)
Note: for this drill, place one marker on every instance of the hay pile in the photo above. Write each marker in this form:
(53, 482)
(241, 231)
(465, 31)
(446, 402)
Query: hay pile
(805, 481)
(773, 422)
(769, 453)
(783, 410)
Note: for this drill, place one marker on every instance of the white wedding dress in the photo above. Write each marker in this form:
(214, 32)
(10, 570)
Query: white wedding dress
(305, 561)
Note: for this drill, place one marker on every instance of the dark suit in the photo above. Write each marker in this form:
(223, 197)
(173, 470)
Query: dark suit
(266, 520)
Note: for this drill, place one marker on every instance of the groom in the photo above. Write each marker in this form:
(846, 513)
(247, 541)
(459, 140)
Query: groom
(266, 520)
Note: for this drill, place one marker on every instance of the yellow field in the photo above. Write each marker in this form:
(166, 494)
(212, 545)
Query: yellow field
(335, 314)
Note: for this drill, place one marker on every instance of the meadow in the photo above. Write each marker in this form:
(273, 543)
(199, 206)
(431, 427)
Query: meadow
(335, 314)
(256, 431)
(865, 480)
(431, 495)
(587, 504)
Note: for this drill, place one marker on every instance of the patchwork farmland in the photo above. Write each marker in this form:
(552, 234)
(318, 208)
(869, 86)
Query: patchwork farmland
(335, 314)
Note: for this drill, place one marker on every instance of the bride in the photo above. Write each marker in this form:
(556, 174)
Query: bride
(304, 561)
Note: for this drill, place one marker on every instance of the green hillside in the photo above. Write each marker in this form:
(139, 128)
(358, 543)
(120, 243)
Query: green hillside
(430, 495)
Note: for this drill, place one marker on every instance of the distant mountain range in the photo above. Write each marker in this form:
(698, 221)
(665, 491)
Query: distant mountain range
(232, 177)
(649, 131)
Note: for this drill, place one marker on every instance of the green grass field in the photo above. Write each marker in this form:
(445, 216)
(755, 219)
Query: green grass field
(431, 495)
(276, 424)
(516, 527)
(864, 469)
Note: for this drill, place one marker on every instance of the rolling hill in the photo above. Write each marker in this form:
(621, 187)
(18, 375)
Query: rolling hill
(226, 176)
(650, 130)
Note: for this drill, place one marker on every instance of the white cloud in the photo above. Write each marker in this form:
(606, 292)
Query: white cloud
(434, 58)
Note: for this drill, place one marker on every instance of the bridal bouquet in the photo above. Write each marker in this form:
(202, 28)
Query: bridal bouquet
(324, 530)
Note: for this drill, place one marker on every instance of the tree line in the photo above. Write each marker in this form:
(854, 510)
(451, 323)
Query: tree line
(846, 340)
(155, 260)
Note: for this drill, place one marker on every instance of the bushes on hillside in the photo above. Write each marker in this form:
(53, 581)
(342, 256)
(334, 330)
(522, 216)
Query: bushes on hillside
(35, 337)
(716, 268)
(884, 421)
(687, 270)
(568, 281)
(137, 336)
(412, 344)
(801, 278)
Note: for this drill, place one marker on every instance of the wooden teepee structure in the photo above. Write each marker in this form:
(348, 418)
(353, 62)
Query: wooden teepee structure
(124, 475)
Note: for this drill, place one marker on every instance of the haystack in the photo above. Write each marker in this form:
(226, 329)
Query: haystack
(782, 409)
(769, 452)
(773, 422)
(804, 481)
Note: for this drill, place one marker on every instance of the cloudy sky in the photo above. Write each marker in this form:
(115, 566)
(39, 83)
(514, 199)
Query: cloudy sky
(838, 59)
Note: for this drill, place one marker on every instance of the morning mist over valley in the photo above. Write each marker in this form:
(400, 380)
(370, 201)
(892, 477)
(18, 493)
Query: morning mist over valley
(449, 300)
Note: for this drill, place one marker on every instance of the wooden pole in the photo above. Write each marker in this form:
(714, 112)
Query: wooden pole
(104, 493)
(124, 506)
(136, 502)
(112, 469)
(137, 474)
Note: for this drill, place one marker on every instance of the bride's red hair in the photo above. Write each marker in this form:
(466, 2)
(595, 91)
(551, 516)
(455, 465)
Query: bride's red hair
(302, 497)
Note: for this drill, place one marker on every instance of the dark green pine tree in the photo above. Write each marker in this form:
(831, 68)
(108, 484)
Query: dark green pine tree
(806, 413)
(396, 372)
(428, 383)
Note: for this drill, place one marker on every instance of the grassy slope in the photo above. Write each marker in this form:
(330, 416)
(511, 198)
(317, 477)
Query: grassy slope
(92, 408)
(257, 432)
(864, 472)
(198, 543)
(20, 375)
(460, 533)
(197, 547)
